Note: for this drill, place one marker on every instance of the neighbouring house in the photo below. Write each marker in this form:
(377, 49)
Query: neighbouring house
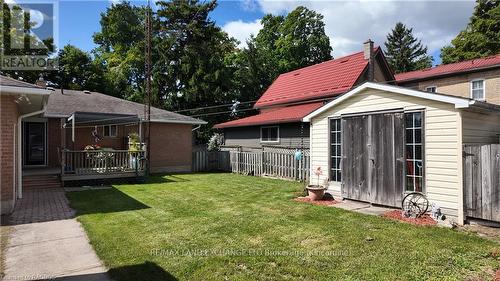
(478, 79)
(295, 94)
(379, 141)
(49, 136)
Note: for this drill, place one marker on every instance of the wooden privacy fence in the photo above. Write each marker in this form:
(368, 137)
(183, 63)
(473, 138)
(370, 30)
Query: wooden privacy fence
(481, 178)
(205, 161)
(278, 163)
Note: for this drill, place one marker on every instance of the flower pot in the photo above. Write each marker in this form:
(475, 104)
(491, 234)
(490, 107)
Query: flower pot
(315, 192)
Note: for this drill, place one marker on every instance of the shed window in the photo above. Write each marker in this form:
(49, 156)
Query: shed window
(477, 89)
(269, 134)
(431, 89)
(110, 131)
(414, 151)
(335, 149)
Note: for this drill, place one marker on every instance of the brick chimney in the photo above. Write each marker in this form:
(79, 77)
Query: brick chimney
(369, 55)
(40, 82)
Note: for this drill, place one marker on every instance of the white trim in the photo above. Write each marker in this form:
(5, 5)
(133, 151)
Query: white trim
(200, 122)
(461, 207)
(24, 90)
(484, 88)
(457, 101)
(277, 136)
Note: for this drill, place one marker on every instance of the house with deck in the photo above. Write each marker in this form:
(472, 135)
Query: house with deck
(54, 136)
(297, 93)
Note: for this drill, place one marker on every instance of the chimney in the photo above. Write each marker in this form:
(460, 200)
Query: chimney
(368, 52)
(40, 82)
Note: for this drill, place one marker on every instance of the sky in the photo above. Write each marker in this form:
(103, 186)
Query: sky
(347, 23)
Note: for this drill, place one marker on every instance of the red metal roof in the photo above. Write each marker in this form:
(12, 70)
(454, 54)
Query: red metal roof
(280, 115)
(321, 80)
(449, 68)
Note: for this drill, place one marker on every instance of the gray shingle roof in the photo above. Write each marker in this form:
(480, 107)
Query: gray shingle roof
(7, 81)
(71, 101)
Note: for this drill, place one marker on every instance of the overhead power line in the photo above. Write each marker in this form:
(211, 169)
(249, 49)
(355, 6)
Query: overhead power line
(213, 106)
(221, 112)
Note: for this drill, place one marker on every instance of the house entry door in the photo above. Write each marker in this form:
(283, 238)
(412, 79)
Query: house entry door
(373, 158)
(34, 143)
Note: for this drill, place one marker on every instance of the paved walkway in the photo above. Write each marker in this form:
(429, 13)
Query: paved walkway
(46, 242)
(362, 207)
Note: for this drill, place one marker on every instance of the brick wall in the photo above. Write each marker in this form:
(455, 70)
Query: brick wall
(83, 137)
(460, 85)
(171, 147)
(54, 140)
(8, 121)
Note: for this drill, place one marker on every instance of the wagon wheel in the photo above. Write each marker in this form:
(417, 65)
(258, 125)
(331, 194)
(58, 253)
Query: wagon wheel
(415, 204)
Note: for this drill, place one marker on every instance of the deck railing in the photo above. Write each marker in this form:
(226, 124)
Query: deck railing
(84, 164)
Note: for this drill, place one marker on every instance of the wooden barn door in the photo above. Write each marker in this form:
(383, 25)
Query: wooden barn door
(373, 158)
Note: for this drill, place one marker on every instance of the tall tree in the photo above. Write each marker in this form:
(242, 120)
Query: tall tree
(404, 52)
(120, 50)
(77, 71)
(303, 41)
(191, 69)
(480, 38)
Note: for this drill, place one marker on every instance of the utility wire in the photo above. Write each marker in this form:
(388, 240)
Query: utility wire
(221, 112)
(214, 106)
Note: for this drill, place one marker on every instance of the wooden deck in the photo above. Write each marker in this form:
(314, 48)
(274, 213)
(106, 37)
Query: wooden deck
(101, 164)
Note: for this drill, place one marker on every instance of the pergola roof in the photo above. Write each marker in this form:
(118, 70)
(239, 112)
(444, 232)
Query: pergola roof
(93, 118)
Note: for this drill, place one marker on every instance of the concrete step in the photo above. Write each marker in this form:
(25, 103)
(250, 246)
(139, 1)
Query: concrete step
(42, 181)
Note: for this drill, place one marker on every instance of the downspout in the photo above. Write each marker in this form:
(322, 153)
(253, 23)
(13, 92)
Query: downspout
(19, 148)
(196, 128)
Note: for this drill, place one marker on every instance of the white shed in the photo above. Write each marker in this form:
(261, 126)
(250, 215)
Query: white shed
(379, 141)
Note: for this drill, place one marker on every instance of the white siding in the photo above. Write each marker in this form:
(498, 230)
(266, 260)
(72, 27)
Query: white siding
(480, 128)
(443, 182)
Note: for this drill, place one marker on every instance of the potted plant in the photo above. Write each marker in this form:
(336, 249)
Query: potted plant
(133, 149)
(316, 192)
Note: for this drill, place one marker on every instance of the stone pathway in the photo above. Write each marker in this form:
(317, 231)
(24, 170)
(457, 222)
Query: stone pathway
(46, 242)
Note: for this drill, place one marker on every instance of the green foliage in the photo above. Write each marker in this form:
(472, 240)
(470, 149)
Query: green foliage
(77, 71)
(120, 50)
(215, 142)
(404, 52)
(191, 69)
(480, 38)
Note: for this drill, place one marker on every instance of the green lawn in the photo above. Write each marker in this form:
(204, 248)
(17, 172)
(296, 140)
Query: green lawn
(233, 227)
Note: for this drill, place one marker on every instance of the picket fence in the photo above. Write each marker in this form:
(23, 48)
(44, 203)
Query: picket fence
(269, 162)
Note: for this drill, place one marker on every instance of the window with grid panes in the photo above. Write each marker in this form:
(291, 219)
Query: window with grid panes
(414, 151)
(335, 150)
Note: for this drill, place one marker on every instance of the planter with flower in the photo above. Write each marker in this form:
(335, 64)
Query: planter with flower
(316, 192)
(134, 147)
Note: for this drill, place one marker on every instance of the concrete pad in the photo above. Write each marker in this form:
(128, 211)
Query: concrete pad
(55, 249)
(362, 207)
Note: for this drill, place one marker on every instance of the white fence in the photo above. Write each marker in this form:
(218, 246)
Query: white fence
(270, 162)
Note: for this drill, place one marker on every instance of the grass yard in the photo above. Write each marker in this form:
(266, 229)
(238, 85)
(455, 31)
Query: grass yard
(234, 227)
